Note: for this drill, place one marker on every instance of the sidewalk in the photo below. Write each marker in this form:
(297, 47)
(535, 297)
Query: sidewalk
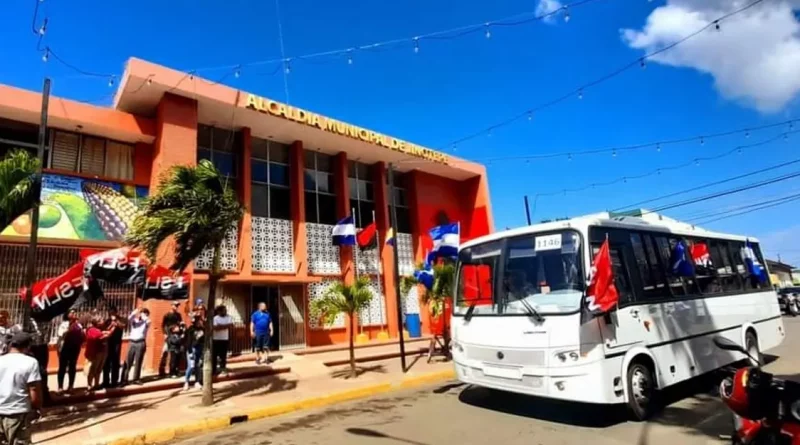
(161, 416)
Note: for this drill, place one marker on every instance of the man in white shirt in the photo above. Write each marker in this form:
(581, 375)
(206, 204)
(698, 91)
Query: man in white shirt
(222, 325)
(20, 391)
(139, 321)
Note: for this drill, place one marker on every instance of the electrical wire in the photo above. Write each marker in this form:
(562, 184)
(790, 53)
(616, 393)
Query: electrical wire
(580, 90)
(765, 205)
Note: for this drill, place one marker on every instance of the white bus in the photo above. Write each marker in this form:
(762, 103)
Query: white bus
(519, 325)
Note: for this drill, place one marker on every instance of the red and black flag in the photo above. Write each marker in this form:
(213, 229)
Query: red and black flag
(118, 266)
(55, 296)
(163, 284)
(367, 237)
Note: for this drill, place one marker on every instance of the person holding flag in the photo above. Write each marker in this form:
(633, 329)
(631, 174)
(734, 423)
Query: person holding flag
(602, 295)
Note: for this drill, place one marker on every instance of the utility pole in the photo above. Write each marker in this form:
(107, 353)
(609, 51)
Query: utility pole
(30, 277)
(527, 210)
(393, 215)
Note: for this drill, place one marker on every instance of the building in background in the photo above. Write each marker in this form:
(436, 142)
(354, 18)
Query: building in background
(297, 172)
(781, 273)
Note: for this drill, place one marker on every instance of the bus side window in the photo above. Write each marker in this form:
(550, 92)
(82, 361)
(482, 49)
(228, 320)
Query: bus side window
(735, 249)
(708, 277)
(653, 284)
(665, 250)
(621, 279)
(730, 281)
(766, 284)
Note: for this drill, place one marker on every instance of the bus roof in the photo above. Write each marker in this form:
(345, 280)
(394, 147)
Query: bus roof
(643, 220)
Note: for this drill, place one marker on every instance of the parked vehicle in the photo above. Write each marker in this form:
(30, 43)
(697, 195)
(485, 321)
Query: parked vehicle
(766, 410)
(789, 300)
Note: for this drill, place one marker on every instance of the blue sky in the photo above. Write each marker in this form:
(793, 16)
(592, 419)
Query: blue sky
(452, 88)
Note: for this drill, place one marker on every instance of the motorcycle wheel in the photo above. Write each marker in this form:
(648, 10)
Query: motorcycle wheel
(791, 308)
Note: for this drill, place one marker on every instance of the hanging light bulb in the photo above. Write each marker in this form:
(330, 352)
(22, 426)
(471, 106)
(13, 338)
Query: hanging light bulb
(791, 125)
(642, 63)
(658, 172)
(488, 32)
(702, 141)
(46, 55)
(238, 73)
(697, 162)
(350, 57)
(716, 25)
(43, 28)
(111, 81)
(580, 93)
(658, 147)
(747, 135)
(566, 15)
(455, 148)
(625, 180)
(569, 157)
(530, 116)
(738, 149)
(149, 81)
(614, 153)
(416, 44)
(288, 67)
(191, 75)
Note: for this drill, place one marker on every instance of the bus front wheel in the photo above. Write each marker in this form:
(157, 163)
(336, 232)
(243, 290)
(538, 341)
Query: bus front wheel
(642, 391)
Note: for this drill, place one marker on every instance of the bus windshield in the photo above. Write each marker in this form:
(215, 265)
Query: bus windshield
(540, 271)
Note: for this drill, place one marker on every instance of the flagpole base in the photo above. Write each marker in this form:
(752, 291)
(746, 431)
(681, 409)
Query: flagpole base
(383, 335)
(362, 338)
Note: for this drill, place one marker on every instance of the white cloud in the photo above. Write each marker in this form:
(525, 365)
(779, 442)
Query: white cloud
(754, 59)
(546, 7)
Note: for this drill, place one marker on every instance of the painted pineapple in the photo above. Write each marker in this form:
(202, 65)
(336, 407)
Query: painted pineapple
(113, 211)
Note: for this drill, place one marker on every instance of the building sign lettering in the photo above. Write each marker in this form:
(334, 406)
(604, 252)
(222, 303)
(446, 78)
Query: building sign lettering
(334, 126)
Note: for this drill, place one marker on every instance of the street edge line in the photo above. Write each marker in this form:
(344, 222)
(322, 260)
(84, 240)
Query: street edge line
(217, 423)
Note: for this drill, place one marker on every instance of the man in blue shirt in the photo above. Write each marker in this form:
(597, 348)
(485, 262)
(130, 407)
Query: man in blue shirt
(261, 331)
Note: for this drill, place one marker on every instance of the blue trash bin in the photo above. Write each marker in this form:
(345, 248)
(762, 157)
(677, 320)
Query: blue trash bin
(413, 325)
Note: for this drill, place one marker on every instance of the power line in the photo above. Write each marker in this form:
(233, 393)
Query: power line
(775, 204)
(658, 171)
(579, 91)
(736, 209)
(711, 184)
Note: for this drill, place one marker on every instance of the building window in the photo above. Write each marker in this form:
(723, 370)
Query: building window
(401, 201)
(219, 146)
(320, 196)
(90, 155)
(362, 198)
(270, 168)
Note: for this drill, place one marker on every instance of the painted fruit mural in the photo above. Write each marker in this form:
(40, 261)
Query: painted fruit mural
(82, 209)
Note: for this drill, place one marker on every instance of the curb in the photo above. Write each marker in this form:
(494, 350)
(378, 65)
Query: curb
(222, 422)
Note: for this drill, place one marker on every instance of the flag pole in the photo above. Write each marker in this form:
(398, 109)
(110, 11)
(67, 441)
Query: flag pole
(378, 270)
(355, 266)
(399, 301)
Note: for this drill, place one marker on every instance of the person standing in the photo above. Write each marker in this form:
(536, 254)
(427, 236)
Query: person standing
(175, 344)
(7, 331)
(222, 325)
(39, 348)
(70, 340)
(261, 331)
(139, 321)
(20, 391)
(171, 318)
(116, 324)
(195, 336)
(96, 351)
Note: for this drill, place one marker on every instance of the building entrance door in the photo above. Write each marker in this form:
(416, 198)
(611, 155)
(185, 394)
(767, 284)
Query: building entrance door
(269, 295)
(292, 318)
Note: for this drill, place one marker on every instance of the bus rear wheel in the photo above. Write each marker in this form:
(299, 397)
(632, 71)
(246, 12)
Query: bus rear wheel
(751, 345)
(642, 391)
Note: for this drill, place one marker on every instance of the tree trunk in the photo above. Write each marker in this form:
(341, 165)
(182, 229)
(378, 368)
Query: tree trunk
(353, 372)
(208, 370)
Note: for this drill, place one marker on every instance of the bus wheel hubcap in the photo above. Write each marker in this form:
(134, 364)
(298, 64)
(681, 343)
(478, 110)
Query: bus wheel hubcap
(640, 386)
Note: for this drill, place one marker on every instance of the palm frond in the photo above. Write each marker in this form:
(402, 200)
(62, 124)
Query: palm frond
(17, 194)
(194, 206)
(342, 298)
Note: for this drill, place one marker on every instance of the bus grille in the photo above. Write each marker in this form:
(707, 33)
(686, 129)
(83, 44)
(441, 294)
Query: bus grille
(510, 356)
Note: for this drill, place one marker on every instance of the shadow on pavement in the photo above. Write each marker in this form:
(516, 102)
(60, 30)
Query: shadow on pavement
(255, 387)
(365, 432)
(346, 373)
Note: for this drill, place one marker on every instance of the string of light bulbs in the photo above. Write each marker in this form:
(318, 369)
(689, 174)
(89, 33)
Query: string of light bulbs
(579, 91)
(393, 44)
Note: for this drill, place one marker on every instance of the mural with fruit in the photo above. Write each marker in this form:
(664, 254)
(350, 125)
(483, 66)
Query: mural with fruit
(82, 209)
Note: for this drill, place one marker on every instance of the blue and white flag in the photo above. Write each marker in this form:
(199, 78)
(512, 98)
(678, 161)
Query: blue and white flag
(425, 276)
(751, 262)
(680, 264)
(344, 232)
(445, 241)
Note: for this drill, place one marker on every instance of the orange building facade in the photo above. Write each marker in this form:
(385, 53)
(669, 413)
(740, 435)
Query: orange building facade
(296, 172)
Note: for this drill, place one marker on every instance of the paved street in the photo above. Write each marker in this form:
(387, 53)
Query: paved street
(452, 414)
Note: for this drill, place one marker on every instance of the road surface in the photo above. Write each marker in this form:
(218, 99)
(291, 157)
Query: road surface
(455, 414)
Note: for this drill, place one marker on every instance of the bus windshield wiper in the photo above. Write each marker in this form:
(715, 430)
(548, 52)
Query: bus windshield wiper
(533, 312)
(470, 311)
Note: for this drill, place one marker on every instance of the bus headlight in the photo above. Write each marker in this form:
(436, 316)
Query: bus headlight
(565, 356)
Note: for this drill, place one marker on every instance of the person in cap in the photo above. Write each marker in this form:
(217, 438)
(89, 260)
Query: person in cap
(20, 391)
(171, 319)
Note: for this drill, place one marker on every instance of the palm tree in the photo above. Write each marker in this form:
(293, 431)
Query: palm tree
(444, 275)
(17, 194)
(345, 299)
(197, 207)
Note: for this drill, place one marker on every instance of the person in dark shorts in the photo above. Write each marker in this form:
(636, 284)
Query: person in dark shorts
(261, 331)
(112, 366)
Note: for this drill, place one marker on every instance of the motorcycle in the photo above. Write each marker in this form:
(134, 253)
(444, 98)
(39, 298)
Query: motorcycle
(766, 410)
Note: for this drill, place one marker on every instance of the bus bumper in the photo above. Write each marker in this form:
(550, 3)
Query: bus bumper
(589, 383)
